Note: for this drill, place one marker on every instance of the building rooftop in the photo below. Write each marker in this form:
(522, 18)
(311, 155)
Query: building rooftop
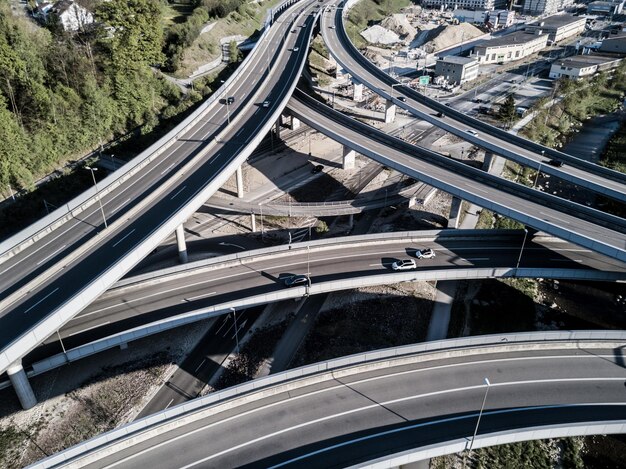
(519, 37)
(453, 59)
(586, 60)
(556, 21)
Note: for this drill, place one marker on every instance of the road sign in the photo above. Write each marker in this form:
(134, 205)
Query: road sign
(425, 80)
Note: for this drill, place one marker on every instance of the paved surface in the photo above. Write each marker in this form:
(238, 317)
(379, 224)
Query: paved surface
(577, 171)
(115, 244)
(122, 308)
(542, 211)
(356, 418)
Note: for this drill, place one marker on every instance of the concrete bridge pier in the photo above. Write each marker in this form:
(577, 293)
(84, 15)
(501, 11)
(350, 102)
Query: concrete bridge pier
(277, 128)
(253, 222)
(455, 213)
(239, 174)
(22, 387)
(357, 91)
(487, 161)
(349, 158)
(182, 244)
(390, 111)
(294, 123)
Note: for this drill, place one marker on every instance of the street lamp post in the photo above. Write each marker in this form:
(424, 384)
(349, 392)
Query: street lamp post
(97, 193)
(521, 250)
(236, 330)
(537, 175)
(480, 414)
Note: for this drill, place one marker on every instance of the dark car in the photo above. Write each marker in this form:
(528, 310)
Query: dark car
(317, 169)
(401, 98)
(441, 114)
(557, 163)
(230, 100)
(296, 280)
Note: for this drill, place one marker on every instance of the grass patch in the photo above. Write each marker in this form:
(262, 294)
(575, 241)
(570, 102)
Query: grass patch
(176, 13)
(615, 154)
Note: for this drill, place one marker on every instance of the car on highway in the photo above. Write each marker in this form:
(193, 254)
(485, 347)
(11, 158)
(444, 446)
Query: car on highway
(557, 163)
(441, 114)
(401, 98)
(317, 168)
(296, 49)
(331, 27)
(265, 104)
(404, 264)
(230, 100)
(425, 253)
(472, 132)
(295, 280)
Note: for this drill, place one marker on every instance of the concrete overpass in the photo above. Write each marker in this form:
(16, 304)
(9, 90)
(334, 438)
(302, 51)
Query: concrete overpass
(580, 172)
(150, 303)
(385, 407)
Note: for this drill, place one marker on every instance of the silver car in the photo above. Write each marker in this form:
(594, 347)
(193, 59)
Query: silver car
(404, 264)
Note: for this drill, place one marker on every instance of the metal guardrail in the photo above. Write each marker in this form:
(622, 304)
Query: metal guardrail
(196, 409)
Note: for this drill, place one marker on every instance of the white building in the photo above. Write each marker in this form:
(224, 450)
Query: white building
(582, 66)
(498, 19)
(509, 48)
(457, 70)
(544, 7)
(71, 15)
(558, 27)
(469, 4)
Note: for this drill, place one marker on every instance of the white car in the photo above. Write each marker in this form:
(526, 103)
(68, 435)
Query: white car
(425, 253)
(472, 132)
(296, 49)
(265, 104)
(404, 264)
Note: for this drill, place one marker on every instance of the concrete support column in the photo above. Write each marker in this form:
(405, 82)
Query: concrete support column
(351, 220)
(277, 128)
(239, 174)
(487, 161)
(357, 92)
(455, 213)
(182, 244)
(390, 111)
(22, 388)
(349, 158)
(253, 222)
(295, 123)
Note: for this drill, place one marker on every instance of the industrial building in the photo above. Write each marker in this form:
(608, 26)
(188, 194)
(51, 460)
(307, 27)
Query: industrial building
(457, 70)
(606, 8)
(558, 27)
(469, 4)
(582, 66)
(495, 19)
(614, 44)
(544, 7)
(509, 48)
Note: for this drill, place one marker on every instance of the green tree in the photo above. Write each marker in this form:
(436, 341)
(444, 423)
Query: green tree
(234, 55)
(507, 109)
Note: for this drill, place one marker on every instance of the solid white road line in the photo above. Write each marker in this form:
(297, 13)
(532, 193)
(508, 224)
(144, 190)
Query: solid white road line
(354, 383)
(124, 237)
(53, 291)
(89, 328)
(198, 297)
(48, 257)
(179, 191)
(200, 365)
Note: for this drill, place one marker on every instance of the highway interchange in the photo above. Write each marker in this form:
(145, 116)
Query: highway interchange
(44, 278)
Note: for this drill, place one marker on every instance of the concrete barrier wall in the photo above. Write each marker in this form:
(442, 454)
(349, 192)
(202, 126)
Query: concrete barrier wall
(252, 391)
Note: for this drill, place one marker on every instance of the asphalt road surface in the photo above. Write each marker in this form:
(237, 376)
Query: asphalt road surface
(367, 415)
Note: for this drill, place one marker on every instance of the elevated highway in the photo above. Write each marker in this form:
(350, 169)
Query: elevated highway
(580, 172)
(385, 407)
(67, 272)
(146, 304)
(567, 220)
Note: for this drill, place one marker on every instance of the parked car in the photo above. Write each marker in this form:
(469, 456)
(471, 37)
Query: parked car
(404, 264)
(425, 253)
(295, 280)
(557, 163)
